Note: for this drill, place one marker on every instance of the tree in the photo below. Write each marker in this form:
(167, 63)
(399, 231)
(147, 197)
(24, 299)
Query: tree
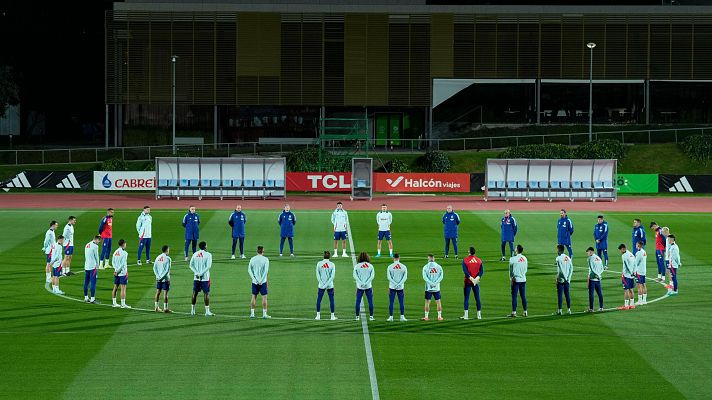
(9, 89)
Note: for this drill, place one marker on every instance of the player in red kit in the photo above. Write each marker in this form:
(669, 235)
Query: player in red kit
(473, 269)
(659, 250)
(105, 231)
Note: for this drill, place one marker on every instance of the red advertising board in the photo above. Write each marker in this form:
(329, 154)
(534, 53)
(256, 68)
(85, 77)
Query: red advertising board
(420, 183)
(390, 183)
(319, 181)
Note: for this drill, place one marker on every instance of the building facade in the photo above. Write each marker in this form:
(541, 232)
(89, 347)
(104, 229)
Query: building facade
(248, 70)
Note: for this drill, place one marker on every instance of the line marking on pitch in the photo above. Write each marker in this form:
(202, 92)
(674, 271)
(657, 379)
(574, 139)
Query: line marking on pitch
(364, 327)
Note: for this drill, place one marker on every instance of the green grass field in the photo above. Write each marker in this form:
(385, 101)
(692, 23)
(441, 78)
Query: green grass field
(60, 348)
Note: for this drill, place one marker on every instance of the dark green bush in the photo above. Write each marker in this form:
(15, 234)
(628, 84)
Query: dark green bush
(435, 161)
(601, 149)
(307, 160)
(113, 164)
(542, 151)
(598, 149)
(698, 147)
(397, 166)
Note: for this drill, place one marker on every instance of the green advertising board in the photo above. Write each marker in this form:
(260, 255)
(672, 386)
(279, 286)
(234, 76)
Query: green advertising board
(637, 183)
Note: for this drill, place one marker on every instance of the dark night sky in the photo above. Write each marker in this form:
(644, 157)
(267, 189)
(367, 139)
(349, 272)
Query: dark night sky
(58, 48)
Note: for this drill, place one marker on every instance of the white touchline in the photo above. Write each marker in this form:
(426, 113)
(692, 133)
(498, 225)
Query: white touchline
(364, 327)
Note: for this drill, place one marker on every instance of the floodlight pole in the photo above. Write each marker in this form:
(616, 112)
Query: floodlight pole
(173, 99)
(590, 45)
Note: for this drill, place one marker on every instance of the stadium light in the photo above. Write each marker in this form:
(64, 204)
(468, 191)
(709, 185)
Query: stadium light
(174, 58)
(590, 45)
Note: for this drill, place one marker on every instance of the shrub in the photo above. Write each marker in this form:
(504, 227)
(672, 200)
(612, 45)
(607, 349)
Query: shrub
(543, 151)
(698, 147)
(601, 149)
(113, 164)
(597, 149)
(397, 166)
(435, 161)
(307, 160)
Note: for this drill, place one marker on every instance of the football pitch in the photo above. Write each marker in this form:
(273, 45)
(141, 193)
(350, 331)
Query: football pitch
(60, 347)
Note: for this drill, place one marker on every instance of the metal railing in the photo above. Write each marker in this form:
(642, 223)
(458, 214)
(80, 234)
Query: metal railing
(148, 153)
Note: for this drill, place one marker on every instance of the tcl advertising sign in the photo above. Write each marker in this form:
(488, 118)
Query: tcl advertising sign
(125, 180)
(319, 181)
(422, 182)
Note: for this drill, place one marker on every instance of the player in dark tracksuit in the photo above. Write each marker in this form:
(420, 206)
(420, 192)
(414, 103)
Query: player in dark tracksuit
(600, 235)
(638, 235)
(450, 226)
(286, 222)
(237, 221)
(191, 222)
(565, 230)
(509, 231)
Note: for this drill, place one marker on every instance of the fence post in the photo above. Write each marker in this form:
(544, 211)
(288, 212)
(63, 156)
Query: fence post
(123, 153)
(649, 136)
(569, 140)
(254, 148)
(622, 137)
(43, 157)
(228, 149)
(202, 148)
(96, 154)
(491, 145)
(675, 135)
(543, 140)
(464, 147)
(149, 153)
(16, 158)
(70, 156)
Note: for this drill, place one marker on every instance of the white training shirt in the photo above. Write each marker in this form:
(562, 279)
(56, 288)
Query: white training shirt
(628, 264)
(68, 235)
(56, 259)
(119, 262)
(162, 267)
(325, 273)
(48, 241)
(143, 225)
(384, 220)
(91, 256)
(641, 260)
(340, 220)
(397, 275)
(200, 264)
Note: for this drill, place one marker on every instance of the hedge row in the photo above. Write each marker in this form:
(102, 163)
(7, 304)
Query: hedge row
(597, 149)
